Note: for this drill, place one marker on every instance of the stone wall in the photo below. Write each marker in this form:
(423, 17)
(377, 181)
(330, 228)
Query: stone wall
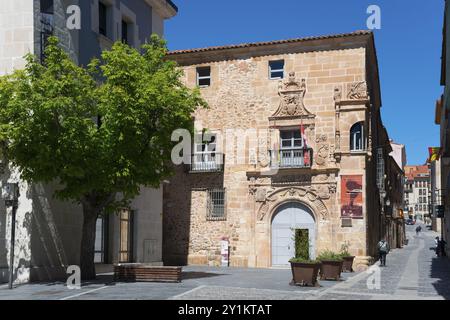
(242, 97)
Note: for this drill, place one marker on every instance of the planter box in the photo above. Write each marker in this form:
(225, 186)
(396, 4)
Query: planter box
(347, 266)
(331, 270)
(304, 274)
(137, 272)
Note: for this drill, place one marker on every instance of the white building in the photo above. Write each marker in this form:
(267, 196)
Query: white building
(48, 231)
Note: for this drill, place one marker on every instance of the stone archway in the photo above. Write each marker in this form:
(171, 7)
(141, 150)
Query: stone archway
(287, 218)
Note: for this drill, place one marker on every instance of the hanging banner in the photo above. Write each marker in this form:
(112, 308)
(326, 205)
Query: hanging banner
(351, 196)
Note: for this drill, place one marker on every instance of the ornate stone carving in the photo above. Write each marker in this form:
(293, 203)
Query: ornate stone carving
(305, 195)
(322, 150)
(263, 155)
(358, 91)
(291, 93)
(337, 94)
(260, 195)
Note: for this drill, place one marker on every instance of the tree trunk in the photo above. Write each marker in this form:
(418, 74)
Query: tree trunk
(87, 266)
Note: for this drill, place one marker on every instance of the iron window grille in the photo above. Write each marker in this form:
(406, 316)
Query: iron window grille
(380, 169)
(216, 205)
(276, 69)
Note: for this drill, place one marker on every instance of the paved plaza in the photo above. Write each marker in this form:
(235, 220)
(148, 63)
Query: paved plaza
(413, 272)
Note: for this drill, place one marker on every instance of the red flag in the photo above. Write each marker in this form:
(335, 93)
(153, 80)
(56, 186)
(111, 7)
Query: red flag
(304, 143)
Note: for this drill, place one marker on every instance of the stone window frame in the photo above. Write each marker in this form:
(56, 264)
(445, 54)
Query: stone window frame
(271, 71)
(221, 195)
(354, 138)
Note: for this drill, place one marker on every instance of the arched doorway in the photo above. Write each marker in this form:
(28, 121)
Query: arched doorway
(287, 218)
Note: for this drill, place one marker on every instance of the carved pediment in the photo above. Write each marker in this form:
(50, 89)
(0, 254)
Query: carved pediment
(292, 93)
(358, 91)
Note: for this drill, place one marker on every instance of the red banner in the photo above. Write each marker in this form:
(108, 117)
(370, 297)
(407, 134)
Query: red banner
(351, 196)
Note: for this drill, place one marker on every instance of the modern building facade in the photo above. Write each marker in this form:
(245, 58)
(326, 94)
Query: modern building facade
(48, 232)
(292, 141)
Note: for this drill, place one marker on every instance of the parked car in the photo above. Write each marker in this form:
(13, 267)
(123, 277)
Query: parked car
(410, 222)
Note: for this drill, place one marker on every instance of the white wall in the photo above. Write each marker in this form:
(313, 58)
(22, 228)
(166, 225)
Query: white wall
(16, 33)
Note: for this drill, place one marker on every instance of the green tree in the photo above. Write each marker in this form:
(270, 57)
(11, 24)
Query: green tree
(100, 132)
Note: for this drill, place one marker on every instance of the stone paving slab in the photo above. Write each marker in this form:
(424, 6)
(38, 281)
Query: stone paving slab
(413, 272)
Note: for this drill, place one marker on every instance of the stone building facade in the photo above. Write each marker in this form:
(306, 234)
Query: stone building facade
(48, 231)
(293, 134)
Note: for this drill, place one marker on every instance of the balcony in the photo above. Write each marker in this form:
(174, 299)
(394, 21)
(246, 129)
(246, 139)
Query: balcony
(291, 158)
(206, 162)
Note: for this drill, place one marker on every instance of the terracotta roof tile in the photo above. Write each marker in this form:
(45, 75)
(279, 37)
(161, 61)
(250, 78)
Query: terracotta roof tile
(259, 44)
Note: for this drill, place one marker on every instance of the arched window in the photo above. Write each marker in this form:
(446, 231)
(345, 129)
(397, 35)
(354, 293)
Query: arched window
(357, 137)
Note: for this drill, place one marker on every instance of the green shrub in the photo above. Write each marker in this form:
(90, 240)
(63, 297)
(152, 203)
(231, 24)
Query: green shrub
(301, 260)
(329, 255)
(302, 244)
(344, 250)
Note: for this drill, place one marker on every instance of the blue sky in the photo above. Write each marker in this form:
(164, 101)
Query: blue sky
(408, 47)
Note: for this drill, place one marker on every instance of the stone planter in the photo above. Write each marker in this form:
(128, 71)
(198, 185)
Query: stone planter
(304, 274)
(347, 266)
(331, 270)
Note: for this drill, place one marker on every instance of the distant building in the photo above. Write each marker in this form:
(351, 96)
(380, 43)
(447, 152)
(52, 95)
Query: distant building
(398, 153)
(418, 192)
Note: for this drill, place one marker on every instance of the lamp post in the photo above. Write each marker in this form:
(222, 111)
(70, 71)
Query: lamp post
(11, 196)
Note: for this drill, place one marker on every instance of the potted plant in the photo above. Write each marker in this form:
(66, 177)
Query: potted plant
(347, 265)
(331, 265)
(304, 270)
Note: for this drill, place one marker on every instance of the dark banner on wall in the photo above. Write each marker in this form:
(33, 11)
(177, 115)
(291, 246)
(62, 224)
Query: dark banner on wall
(351, 196)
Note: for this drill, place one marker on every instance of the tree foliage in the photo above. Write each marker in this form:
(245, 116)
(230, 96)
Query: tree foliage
(102, 130)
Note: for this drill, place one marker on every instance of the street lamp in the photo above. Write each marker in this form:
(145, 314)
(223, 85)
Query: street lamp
(11, 196)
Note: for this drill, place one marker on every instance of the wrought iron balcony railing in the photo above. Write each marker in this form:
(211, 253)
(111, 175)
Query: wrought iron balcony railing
(206, 162)
(291, 158)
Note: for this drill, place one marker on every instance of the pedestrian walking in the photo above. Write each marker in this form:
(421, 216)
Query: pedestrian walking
(442, 244)
(437, 245)
(383, 250)
(418, 229)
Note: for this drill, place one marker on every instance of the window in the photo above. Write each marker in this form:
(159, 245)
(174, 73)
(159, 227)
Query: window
(204, 76)
(125, 32)
(291, 139)
(216, 205)
(357, 137)
(47, 6)
(126, 236)
(204, 152)
(102, 20)
(276, 69)
(101, 240)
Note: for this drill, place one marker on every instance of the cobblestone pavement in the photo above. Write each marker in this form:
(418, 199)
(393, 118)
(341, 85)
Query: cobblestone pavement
(413, 272)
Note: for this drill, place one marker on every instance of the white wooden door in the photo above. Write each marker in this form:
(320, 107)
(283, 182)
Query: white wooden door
(289, 217)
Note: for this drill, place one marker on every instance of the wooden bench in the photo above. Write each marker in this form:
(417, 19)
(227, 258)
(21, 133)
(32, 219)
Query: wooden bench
(141, 272)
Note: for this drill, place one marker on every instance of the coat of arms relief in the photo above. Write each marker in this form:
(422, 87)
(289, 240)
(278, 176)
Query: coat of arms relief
(292, 93)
